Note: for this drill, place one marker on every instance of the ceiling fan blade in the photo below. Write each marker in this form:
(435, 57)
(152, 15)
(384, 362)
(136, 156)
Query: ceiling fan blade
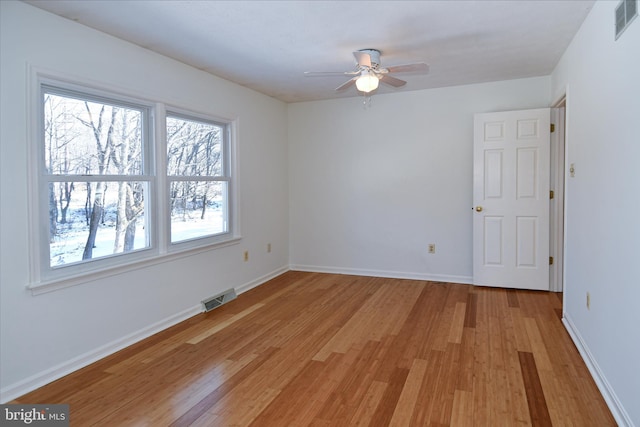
(330, 73)
(392, 81)
(418, 67)
(347, 84)
(363, 58)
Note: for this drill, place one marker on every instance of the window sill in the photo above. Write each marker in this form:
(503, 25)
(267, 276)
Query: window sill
(47, 286)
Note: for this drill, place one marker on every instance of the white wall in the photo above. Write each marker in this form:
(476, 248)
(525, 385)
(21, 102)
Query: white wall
(371, 188)
(43, 336)
(601, 78)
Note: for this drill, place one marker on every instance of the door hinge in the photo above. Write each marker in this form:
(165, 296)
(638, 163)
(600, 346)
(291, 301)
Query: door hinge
(551, 194)
(553, 127)
(550, 260)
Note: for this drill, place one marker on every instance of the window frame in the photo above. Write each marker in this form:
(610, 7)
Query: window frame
(42, 277)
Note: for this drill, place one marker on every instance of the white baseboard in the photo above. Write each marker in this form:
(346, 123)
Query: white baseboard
(615, 406)
(260, 280)
(467, 280)
(38, 380)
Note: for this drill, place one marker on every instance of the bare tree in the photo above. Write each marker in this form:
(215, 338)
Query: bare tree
(211, 159)
(59, 134)
(130, 199)
(193, 149)
(103, 149)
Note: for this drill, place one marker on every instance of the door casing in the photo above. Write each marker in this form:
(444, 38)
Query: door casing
(556, 206)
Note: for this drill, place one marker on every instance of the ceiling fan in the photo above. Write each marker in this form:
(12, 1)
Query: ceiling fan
(369, 73)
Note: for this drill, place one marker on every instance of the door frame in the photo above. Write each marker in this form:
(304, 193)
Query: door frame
(557, 205)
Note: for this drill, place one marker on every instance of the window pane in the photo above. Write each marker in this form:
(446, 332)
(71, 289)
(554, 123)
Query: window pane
(198, 209)
(193, 148)
(91, 138)
(94, 220)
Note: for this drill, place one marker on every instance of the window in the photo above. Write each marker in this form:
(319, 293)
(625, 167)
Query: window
(104, 198)
(198, 177)
(95, 177)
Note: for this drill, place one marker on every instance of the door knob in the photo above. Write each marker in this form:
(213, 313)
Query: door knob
(478, 208)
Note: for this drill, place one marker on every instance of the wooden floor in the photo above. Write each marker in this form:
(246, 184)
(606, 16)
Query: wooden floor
(331, 350)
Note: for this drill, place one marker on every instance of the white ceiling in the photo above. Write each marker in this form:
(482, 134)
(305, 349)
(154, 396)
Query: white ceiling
(267, 45)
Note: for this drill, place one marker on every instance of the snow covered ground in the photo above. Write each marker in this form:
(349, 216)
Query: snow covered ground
(69, 244)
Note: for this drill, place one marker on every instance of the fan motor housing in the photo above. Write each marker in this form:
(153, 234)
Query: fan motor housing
(374, 54)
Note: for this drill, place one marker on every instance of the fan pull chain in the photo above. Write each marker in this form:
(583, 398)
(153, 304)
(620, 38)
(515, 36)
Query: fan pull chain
(366, 103)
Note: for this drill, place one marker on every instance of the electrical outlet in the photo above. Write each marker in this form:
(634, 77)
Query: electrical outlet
(246, 255)
(268, 247)
(432, 248)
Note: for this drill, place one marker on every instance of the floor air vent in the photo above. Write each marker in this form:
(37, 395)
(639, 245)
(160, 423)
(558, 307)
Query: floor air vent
(216, 301)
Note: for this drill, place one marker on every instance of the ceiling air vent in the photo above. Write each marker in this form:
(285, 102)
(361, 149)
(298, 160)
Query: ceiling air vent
(216, 301)
(626, 12)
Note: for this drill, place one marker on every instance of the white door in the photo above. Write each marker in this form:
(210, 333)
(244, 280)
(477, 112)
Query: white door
(511, 199)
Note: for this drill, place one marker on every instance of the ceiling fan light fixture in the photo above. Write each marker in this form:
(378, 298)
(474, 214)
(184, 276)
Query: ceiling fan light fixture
(367, 82)
(368, 73)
